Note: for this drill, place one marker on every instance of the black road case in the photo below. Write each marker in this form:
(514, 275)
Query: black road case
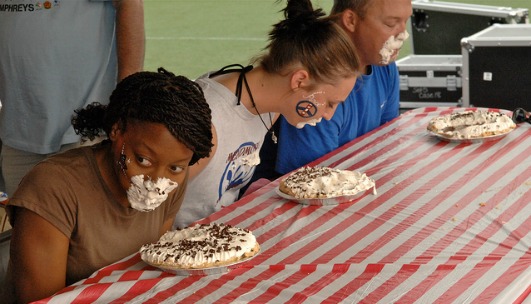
(430, 80)
(437, 27)
(497, 67)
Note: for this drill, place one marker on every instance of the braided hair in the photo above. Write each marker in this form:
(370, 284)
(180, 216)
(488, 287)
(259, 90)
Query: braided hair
(158, 97)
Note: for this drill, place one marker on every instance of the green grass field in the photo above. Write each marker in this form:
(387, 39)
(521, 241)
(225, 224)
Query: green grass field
(190, 37)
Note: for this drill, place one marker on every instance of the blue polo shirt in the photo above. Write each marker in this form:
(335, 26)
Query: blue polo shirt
(374, 101)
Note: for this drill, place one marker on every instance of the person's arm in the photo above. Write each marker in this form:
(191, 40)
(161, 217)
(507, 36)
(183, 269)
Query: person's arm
(130, 36)
(392, 107)
(38, 257)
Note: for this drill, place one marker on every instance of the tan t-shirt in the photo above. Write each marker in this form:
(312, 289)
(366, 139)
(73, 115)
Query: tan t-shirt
(68, 191)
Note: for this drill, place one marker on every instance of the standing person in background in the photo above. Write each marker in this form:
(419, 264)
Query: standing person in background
(2, 184)
(378, 29)
(308, 68)
(58, 56)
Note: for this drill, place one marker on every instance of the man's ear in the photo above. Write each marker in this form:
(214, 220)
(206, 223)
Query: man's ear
(349, 20)
(300, 78)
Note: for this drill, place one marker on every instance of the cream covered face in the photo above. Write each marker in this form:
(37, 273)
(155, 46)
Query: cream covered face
(390, 49)
(312, 123)
(146, 195)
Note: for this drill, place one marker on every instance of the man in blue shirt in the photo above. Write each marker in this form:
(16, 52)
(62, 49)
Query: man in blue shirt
(378, 29)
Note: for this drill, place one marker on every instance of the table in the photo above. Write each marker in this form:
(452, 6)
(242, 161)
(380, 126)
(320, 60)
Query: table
(450, 224)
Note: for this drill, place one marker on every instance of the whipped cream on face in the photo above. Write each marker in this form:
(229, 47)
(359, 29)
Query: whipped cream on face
(471, 124)
(311, 122)
(146, 195)
(323, 182)
(394, 43)
(252, 159)
(200, 246)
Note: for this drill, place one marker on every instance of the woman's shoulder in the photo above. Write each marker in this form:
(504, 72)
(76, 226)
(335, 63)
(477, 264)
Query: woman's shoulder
(49, 188)
(214, 91)
(63, 168)
(389, 70)
(68, 155)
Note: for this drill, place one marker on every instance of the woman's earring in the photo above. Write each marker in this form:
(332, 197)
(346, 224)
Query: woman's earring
(123, 160)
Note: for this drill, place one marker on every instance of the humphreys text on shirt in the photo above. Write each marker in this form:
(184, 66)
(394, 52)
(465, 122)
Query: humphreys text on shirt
(20, 6)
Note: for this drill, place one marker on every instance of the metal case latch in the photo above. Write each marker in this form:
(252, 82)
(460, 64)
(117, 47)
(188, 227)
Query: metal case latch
(404, 83)
(451, 82)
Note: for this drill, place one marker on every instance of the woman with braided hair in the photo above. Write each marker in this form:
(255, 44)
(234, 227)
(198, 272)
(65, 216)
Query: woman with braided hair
(309, 66)
(83, 209)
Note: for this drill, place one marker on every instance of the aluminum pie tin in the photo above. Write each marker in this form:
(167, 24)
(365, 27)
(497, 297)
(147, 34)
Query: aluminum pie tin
(202, 271)
(475, 140)
(329, 201)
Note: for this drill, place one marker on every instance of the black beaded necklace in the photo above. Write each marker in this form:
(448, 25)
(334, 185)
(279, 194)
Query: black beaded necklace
(239, 86)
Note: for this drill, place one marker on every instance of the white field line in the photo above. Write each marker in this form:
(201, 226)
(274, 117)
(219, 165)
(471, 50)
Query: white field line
(208, 38)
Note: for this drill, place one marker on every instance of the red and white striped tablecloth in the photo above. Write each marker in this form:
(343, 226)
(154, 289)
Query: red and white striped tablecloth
(450, 224)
